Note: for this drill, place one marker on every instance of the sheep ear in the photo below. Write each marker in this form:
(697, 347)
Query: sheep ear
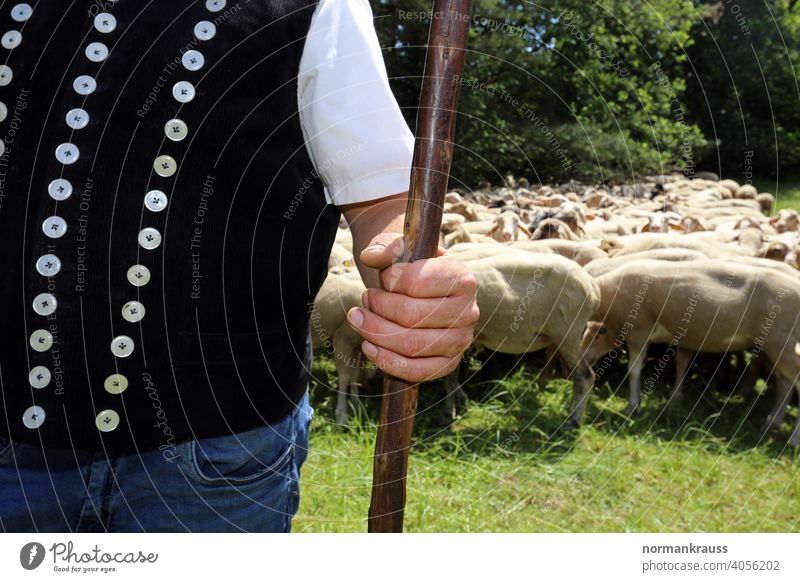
(525, 229)
(492, 231)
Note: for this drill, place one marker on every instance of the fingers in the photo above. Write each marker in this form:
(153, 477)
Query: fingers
(411, 369)
(411, 343)
(439, 277)
(386, 249)
(383, 250)
(431, 313)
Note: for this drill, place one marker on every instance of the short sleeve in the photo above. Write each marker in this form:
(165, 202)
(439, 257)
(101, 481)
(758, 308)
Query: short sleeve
(354, 131)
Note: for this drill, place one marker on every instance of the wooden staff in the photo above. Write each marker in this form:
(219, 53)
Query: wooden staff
(433, 150)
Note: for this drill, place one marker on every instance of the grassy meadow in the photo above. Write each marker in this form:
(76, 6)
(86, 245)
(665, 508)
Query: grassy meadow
(506, 466)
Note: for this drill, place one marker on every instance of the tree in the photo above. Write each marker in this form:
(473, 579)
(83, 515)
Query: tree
(559, 90)
(742, 84)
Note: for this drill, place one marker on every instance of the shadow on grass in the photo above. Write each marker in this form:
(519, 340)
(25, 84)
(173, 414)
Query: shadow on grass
(520, 414)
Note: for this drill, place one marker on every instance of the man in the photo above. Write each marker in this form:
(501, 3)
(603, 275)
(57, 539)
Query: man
(172, 179)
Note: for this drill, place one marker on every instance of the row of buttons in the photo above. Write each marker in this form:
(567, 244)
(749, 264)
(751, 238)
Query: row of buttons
(149, 238)
(41, 339)
(54, 227)
(121, 346)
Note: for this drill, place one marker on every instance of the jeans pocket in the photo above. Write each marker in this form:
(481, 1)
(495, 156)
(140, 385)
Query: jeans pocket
(245, 457)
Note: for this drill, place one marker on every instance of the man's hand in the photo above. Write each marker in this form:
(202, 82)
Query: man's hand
(419, 324)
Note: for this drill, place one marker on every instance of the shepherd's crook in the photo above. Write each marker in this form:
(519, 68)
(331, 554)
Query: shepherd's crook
(433, 150)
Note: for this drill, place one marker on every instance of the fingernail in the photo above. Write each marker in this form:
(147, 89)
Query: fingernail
(365, 298)
(375, 247)
(369, 349)
(356, 316)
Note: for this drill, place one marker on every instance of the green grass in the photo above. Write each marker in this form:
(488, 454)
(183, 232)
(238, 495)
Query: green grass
(505, 466)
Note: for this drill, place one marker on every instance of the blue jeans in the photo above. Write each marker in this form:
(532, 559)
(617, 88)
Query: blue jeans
(243, 482)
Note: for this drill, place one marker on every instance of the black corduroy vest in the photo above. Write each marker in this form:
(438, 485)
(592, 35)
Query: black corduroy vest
(164, 228)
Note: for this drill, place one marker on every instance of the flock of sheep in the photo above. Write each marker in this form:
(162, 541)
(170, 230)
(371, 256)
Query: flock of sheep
(586, 273)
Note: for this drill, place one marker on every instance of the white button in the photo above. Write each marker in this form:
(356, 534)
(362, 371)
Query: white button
(215, 5)
(165, 166)
(133, 311)
(176, 129)
(54, 227)
(149, 238)
(107, 420)
(122, 346)
(205, 30)
(183, 91)
(33, 417)
(39, 377)
(84, 85)
(96, 52)
(3, 111)
(105, 22)
(41, 340)
(67, 153)
(77, 118)
(21, 12)
(116, 384)
(44, 304)
(6, 74)
(48, 265)
(11, 39)
(59, 189)
(193, 60)
(155, 201)
(138, 275)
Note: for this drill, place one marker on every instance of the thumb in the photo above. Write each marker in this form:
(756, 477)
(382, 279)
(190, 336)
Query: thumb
(384, 250)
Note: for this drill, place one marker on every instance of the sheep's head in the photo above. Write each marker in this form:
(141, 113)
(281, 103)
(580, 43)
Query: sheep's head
(787, 220)
(597, 341)
(508, 227)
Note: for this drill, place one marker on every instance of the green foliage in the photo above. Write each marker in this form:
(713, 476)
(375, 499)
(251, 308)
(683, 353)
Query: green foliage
(743, 88)
(559, 90)
(613, 89)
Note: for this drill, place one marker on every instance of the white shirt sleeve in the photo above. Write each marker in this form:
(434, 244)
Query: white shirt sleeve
(354, 131)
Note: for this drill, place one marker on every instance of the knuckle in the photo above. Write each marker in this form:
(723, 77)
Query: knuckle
(407, 313)
(412, 344)
(473, 314)
(469, 283)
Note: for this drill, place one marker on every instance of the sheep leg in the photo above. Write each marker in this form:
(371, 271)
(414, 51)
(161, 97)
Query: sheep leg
(636, 356)
(453, 393)
(748, 387)
(347, 357)
(683, 358)
(582, 381)
(341, 405)
(783, 391)
(356, 384)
